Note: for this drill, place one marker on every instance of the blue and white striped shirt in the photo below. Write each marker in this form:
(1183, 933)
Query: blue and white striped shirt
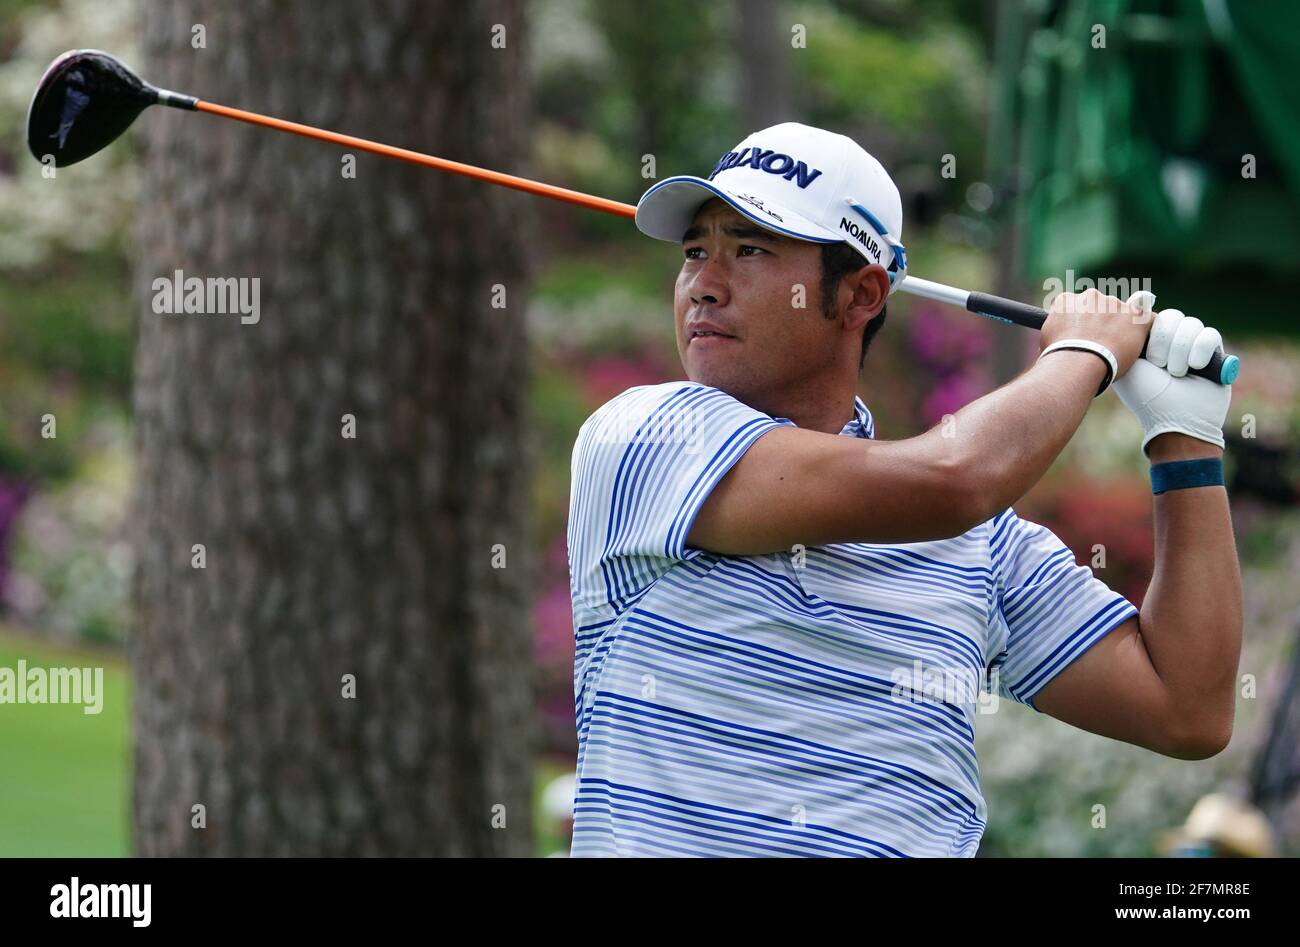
(818, 702)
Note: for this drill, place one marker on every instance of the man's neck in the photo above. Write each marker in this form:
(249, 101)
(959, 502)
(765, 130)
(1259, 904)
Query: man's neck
(826, 413)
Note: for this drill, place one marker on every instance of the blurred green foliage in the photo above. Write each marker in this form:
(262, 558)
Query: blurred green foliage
(909, 80)
(74, 325)
(666, 98)
(65, 299)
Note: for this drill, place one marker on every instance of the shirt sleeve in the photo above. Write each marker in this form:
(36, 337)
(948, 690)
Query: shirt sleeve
(643, 465)
(1049, 609)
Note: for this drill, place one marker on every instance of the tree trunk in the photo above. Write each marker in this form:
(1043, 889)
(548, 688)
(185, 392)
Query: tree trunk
(328, 555)
(763, 41)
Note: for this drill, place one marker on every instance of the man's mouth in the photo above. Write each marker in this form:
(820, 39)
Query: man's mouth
(706, 330)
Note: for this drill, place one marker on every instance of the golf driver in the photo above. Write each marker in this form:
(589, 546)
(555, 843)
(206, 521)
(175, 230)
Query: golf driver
(87, 98)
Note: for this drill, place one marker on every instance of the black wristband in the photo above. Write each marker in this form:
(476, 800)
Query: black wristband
(1181, 474)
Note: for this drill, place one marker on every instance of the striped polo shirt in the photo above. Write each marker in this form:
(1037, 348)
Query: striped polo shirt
(816, 702)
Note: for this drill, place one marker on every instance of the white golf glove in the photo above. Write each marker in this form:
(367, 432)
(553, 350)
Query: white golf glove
(1158, 389)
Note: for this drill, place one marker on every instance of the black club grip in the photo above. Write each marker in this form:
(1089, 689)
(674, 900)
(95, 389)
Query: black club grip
(1222, 369)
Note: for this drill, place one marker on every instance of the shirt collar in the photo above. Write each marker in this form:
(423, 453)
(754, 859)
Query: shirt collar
(862, 424)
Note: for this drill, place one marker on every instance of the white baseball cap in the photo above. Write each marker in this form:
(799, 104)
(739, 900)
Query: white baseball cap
(796, 180)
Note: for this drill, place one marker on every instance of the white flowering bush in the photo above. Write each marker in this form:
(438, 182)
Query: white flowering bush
(65, 341)
(83, 209)
(69, 551)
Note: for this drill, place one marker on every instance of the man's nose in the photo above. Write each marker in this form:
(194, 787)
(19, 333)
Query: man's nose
(709, 285)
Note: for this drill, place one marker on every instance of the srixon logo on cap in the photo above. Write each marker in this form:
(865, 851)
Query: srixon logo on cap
(767, 160)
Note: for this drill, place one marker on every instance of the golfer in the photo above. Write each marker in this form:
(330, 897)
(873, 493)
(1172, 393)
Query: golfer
(785, 626)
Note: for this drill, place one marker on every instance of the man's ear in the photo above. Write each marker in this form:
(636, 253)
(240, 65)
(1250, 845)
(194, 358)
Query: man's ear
(870, 287)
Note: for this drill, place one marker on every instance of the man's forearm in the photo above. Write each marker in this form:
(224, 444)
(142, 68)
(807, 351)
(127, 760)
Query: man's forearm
(1009, 438)
(1191, 617)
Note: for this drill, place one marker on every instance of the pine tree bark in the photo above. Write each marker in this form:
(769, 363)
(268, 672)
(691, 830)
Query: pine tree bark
(763, 45)
(326, 555)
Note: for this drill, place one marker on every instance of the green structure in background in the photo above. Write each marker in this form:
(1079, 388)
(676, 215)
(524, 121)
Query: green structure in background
(1157, 139)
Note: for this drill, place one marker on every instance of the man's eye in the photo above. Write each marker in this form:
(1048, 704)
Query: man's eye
(748, 247)
(692, 251)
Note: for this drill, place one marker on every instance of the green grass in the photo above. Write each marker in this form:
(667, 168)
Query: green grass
(63, 773)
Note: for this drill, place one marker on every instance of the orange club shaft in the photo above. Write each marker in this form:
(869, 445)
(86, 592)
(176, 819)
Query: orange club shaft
(618, 208)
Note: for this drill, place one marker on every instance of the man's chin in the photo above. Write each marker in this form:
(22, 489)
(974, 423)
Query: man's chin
(725, 381)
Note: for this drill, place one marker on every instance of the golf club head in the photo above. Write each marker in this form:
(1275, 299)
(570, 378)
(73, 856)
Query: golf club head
(85, 100)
